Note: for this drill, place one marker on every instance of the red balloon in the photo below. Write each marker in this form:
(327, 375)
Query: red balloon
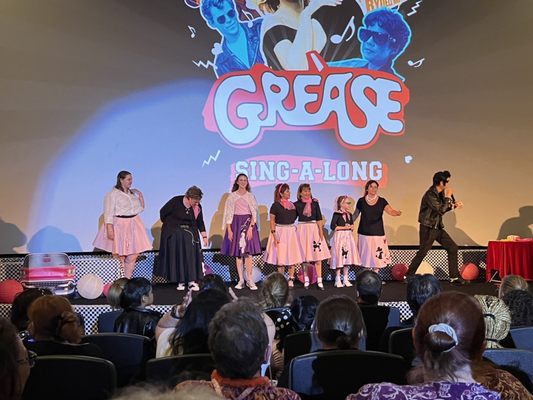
(9, 289)
(469, 272)
(398, 271)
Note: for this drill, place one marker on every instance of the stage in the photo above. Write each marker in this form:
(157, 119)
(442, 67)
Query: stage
(165, 294)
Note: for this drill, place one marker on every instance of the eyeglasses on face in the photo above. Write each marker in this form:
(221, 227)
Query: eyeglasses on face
(222, 19)
(30, 359)
(380, 38)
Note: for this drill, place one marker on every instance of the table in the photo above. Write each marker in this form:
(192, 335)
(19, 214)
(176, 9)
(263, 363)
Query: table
(510, 258)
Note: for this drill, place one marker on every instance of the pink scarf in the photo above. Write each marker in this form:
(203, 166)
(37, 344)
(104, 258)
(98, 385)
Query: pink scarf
(195, 208)
(307, 208)
(287, 204)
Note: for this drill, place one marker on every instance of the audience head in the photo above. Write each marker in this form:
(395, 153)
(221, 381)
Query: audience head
(520, 303)
(137, 292)
(238, 340)
(448, 335)
(497, 319)
(21, 303)
(368, 285)
(115, 290)
(213, 281)
(275, 291)
(512, 282)
(15, 362)
(303, 310)
(52, 318)
(190, 335)
(419, 289)
(339, 323)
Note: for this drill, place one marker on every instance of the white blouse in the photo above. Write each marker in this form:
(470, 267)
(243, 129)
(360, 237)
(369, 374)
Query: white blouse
(116, 202)
(229, 208)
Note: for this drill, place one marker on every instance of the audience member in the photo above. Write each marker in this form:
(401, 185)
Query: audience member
(512, 282)
(419, 289)
(56, 329)
(15, 362)
(115, 292)
(303, 310)
(238, 340)
(520, 303)
(275, 302)
(189, 335)
(448, 336)
(377, 318)
(497, 320)
(136, 317)
(20, 305)
(339, 323)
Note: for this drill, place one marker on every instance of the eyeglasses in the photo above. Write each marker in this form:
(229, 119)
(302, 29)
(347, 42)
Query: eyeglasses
(222, 19)
(30, 359)
(380, 38)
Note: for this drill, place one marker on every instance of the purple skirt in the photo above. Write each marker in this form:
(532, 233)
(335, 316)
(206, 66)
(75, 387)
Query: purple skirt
(240, 245)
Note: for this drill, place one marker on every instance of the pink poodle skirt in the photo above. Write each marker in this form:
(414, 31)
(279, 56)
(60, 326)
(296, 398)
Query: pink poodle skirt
(374, 251)
(130, 237)
(314, 249)
(344, 251)
(288, 251)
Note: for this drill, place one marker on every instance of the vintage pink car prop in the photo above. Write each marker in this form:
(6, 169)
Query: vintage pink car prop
(52, 271)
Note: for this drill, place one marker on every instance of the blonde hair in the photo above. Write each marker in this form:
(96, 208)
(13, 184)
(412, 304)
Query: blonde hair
(497, 319)
(275, 291)
(512, 282)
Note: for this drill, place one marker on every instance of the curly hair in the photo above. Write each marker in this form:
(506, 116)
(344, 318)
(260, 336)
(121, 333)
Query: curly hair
(520, 303)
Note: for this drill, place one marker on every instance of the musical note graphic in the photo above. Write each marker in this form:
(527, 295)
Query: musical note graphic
(248, 16)
(336, 39)
(193, 31)
(415, 64)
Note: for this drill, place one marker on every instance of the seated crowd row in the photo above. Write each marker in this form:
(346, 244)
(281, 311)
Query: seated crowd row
(246, 338)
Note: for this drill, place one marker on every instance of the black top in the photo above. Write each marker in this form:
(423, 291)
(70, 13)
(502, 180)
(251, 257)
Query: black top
(283, 216)
(53, 348)
(271, 38)
(371, 223)
(174, 213)
(316, 215)
(338, 220)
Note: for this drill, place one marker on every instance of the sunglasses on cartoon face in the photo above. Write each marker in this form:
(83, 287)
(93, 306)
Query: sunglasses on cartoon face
(230, 15)
(380, 38)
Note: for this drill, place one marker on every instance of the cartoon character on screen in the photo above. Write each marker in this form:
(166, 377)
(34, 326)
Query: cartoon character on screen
(241, 239)
(283, 247)
(384, 36)
(240, 48)
(343, 251)
(289, 31)
(310, 233)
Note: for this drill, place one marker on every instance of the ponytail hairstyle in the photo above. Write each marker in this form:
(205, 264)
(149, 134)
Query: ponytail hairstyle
(280, 188)
(52, 317)
(339, 322)
(121, 175)
(339, 201)
(449, 335)
(367, 185)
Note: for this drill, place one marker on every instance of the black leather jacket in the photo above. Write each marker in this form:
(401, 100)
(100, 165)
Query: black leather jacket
(432, 207)
(140, 321)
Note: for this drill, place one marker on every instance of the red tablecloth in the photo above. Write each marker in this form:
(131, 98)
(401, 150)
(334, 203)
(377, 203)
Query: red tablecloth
(510, 258)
